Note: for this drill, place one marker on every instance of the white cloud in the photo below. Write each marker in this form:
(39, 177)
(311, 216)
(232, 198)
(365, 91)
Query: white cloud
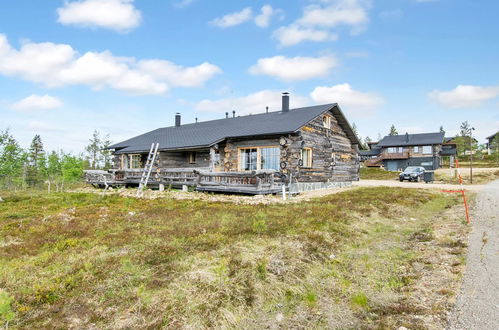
(334, 13)
(251, 104)
(119, 15)
(56, 65)
(295, 68)
(263, 20)
(464, 96)
(294, 34)
(233, 19)
(177, 75)
(319, 19)
(350, 100)
(37, 102)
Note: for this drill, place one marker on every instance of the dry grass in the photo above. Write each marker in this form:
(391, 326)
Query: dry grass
(480, 175)
(374, 173)
(342, 261)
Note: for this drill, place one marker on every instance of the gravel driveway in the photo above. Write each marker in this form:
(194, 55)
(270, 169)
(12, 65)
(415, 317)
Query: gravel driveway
(477, 305)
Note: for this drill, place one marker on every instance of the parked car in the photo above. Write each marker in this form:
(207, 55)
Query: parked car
(412, 173)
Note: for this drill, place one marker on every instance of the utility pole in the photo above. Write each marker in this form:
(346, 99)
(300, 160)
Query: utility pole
(471, 154)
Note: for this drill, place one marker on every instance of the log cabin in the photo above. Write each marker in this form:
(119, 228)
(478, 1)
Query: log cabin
(305, 148)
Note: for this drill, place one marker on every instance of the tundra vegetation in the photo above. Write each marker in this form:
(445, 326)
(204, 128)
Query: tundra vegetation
(365, 257)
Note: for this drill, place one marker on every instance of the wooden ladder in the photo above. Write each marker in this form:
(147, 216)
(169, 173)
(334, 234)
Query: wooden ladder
(146, 173)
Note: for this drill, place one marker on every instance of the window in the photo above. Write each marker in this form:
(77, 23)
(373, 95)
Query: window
(261, 158)
(426, 163)
(417, 149)
(393, 150)
(326, 121)
(249, 159)
(192, 157)
(306, 157)
(269, 158)
(427, 150)
(135, 161)
(122, 162)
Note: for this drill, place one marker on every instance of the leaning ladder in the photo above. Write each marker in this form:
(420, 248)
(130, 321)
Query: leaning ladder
(146, 173)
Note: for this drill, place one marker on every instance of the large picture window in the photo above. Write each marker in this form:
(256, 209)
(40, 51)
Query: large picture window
(259, 158)
(269, 158)
(249, 159)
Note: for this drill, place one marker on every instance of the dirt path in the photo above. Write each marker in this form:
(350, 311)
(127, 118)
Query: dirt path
(415, 185)
(477, 306)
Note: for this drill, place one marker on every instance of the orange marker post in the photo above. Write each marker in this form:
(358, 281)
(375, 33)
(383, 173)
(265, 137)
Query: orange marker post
(462, 192)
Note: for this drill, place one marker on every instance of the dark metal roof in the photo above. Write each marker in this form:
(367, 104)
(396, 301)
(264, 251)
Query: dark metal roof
(412, 140)
(208, 133)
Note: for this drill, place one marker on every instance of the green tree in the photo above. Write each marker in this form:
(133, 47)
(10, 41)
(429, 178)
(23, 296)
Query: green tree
(393, 131)
(442, 129)
(12, 161)
(71, 168)
(35, 152)
(93, 150)
(494, 147)
(54, 171)
(106, 154)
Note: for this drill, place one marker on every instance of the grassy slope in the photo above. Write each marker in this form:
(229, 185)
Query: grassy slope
(342, 261)
(374, 173)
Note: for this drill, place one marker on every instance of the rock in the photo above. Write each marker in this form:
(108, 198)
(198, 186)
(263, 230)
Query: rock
(279, 317)
(1, 200)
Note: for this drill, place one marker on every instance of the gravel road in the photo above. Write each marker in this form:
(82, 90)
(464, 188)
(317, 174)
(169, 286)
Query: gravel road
(477, 305)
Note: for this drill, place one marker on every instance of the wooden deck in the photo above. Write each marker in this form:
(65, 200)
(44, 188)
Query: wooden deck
(253, 182)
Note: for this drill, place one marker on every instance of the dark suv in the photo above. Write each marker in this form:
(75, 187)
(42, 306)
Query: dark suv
(412, 173)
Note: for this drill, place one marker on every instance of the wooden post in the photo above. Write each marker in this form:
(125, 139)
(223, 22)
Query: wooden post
(212, 159)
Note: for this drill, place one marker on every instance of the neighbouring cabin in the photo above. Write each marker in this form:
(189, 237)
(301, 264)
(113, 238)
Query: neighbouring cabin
(397, 152)
(306, 148)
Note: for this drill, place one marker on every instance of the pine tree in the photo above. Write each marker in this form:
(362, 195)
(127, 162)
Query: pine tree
(393, 131)
(442, 129)
(94, 150)
(107, 156)
(35, 151)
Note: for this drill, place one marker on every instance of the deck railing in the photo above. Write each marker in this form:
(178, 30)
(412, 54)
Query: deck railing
(238, 181)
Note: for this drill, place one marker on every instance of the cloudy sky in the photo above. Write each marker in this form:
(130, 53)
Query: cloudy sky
(125, 67)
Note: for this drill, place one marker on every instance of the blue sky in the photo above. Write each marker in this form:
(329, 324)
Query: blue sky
(125, 67)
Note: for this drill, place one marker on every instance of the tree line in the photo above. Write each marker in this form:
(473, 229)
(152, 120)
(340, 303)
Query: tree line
(35, 167)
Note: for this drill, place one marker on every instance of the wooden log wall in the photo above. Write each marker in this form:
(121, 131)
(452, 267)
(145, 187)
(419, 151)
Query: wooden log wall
(180, 159)
(334, 159)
